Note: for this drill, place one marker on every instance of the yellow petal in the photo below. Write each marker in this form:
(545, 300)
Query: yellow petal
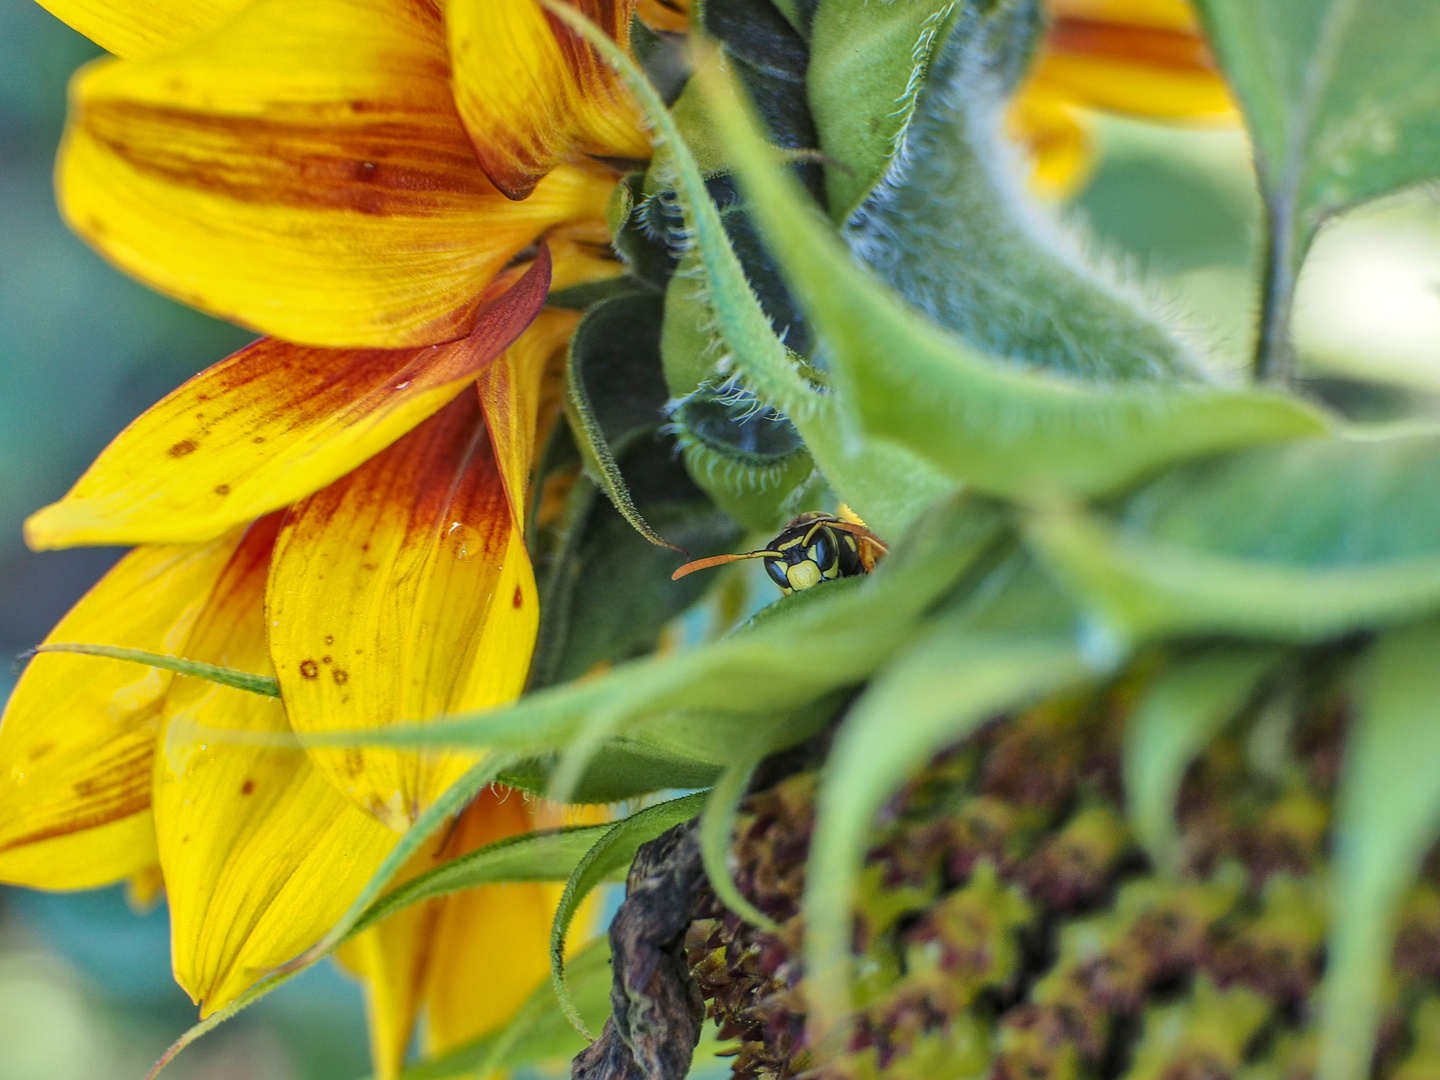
(268, 426)
(140, 28)
(1059, 139)
(492, 944)
(261, 855)
(1163, 14)
(671, 16)
(144, 887)
(392, 960)
(400, 592)
(303, 171)
(533, 95)
(1130, 66)
(510, 398)
(78, 735)
(582, 254)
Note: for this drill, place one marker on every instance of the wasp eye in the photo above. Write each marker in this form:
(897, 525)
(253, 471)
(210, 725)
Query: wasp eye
(822, 552)
(776, 569)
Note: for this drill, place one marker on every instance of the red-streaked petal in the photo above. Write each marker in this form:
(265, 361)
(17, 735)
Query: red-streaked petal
(260, 854)
(268, 426)
(303, 170)
(78, 735)
(1143, 59)
(533, 95)
(671, 16)
(510, 392)
(398, 593)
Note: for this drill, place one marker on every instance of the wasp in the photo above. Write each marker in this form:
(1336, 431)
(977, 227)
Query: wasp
(814, 547)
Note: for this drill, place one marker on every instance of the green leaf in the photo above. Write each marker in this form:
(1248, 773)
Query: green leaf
(750, 458)
(1342, 104)
(614, 851)
(1387, 816)
(1294, 543)
(539, 1030)
(451, 801)
(887, 484)
(1004, 430)
(550, 855)
(624, 768)
(937, 692)
(770, 57)
(617, 393)
(947, 223)
(809, 644)
(606, 594)
(265, 685)
(864, 60)
(648, 257)
(1176, 718)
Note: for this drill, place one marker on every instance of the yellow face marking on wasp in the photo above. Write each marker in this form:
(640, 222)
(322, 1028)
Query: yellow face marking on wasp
(803, 575)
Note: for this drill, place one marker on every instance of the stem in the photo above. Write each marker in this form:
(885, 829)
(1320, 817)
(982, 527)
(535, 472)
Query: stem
(1274, 351)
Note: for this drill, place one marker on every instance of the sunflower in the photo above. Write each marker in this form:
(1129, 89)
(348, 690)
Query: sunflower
(407, 586)
(388, 192)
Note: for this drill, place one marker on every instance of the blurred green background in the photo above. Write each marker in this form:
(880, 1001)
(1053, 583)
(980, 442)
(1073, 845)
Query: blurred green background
(85, 990)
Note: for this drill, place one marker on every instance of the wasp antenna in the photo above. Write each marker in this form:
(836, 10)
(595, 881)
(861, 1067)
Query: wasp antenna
(721, 560)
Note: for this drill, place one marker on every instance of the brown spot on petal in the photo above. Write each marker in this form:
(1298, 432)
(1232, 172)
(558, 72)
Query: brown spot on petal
(518, 599)
(325, 660)
(309, 668)
(340, 675)
(39, 750)
(247, 787)
(258, 439)
(222, 489)
(183, 447)
(329, 639)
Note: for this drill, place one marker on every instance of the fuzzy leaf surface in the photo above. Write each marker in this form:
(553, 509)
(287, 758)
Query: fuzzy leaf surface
(948, 224)
(887, 484)
(902, 381)
(617, 395)
(1296, 542)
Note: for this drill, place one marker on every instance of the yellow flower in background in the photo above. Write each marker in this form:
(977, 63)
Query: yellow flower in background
(1141, 58)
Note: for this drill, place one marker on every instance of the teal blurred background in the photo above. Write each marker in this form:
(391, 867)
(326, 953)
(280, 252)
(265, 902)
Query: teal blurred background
(85, 992)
